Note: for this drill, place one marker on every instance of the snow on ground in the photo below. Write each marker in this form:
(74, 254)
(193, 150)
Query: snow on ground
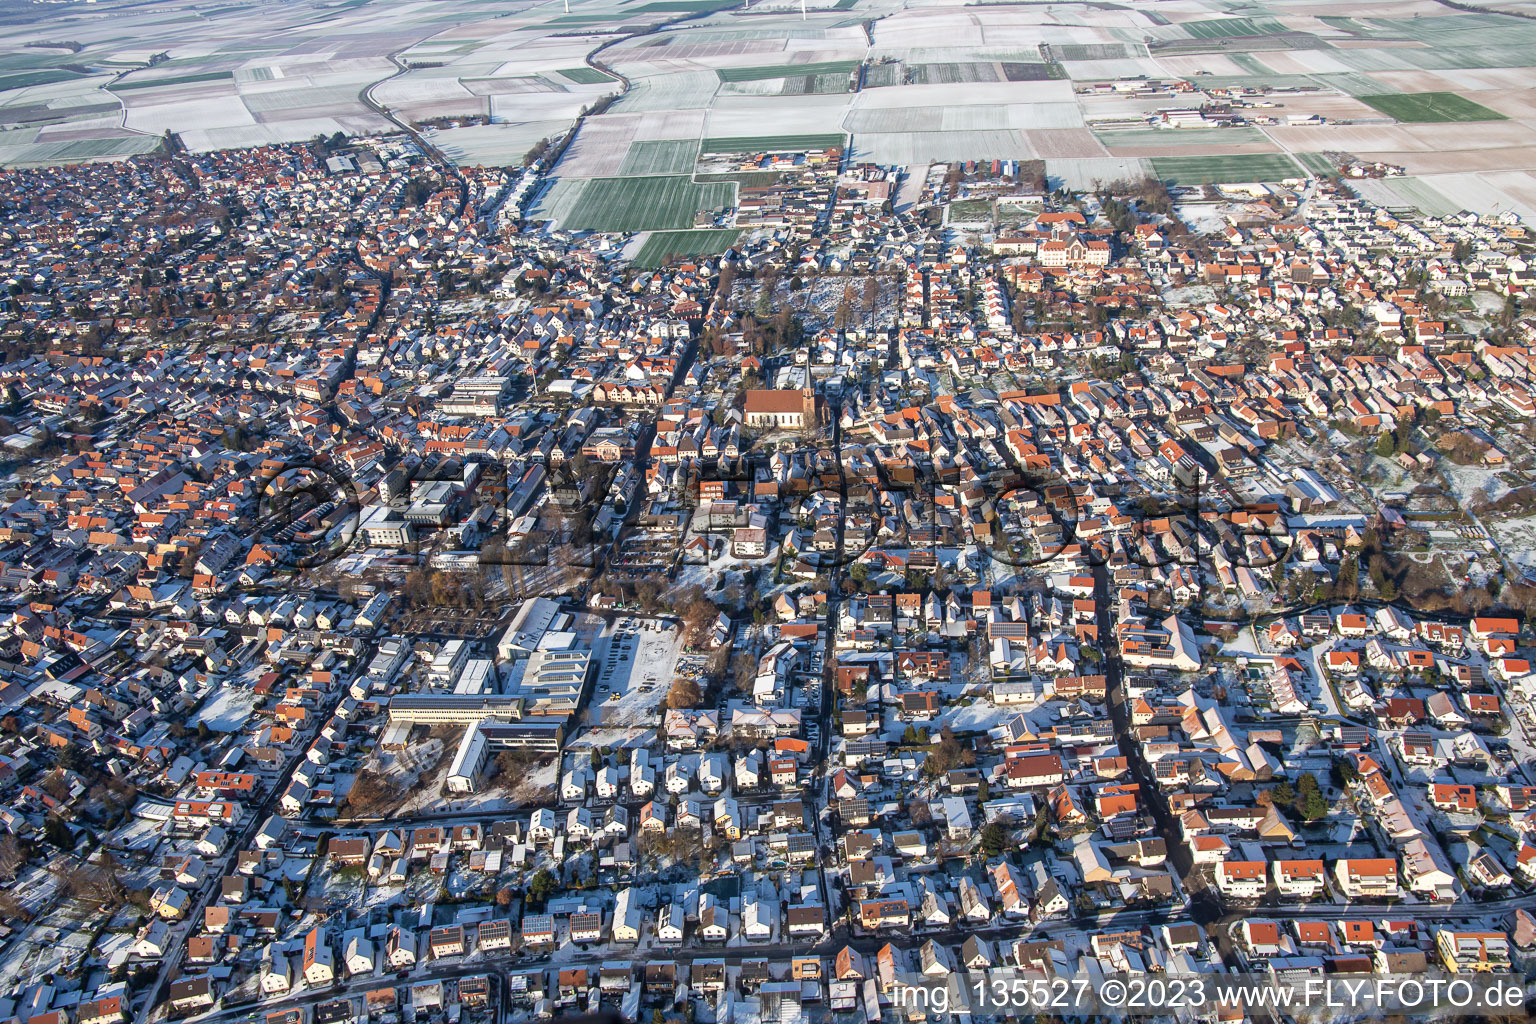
(1245, 643)
(977, 716)
(226, 710)
(637, 659)
(1203, 218)
(1474, 484)
(1517, 539)
(405, 771)
(532, 784)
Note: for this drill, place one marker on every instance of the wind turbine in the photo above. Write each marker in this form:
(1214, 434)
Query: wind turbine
(802, 10)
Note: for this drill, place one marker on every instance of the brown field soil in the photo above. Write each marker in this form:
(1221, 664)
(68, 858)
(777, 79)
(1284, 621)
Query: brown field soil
(1475, 136)
(1328, 105)
(1359, 139)
(1239, 148)
(1063, 142)
(1461, 161)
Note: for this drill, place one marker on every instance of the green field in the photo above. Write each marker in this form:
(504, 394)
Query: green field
(1430, 107)
(1316, 163)
(666, 156)
(826, 67)
(815, 85)
(1205, 170)
(155, 83)
(644, 204)
(970, 211)
(773, 143)
(1218, 27)
(585, 76)
(1020, 71)
(42, 76)
(1094, 51)
(661, 246)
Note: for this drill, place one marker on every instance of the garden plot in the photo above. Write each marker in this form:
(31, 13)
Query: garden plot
(227, 709)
